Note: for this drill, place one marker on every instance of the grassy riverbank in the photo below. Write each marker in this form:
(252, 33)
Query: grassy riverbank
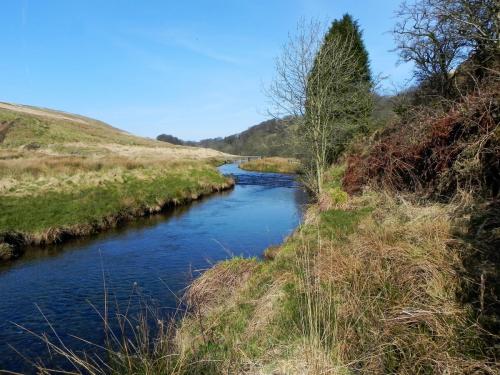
(55, 214)
(272, 164)
(366, 285)
(64, 175)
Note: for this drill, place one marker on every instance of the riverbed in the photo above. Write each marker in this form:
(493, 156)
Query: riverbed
(152, 259)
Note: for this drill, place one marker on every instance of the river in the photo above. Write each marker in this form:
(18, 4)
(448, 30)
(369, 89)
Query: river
(153, 257)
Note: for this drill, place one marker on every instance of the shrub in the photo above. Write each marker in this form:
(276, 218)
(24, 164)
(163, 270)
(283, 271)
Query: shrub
(434, 153)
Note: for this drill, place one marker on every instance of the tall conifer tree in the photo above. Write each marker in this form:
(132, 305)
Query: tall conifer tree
(339, 99)
(348, 29)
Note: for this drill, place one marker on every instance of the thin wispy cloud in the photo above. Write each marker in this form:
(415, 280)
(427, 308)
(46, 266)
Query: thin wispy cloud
(152, 61)
(208, 46)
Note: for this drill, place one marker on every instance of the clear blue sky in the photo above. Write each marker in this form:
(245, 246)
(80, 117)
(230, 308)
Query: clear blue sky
(194, 69)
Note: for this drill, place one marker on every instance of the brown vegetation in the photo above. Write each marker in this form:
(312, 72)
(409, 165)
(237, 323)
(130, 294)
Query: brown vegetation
(218, 284)
(436, 154)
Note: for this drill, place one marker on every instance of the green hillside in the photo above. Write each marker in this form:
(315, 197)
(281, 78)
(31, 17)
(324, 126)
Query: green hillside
(269, 138)
(64, 175)
(21, 125)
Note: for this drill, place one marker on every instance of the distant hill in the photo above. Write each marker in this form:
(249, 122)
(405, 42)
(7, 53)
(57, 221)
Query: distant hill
(273, 137)
(269, 138)
(171, 139)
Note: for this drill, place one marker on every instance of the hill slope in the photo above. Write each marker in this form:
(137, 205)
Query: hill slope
(58, 132)
(269, 138)
(64, 175)
(274, 137)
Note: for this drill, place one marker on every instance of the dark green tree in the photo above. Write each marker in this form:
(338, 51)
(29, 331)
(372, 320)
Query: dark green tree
(339, 98)
(347, 29)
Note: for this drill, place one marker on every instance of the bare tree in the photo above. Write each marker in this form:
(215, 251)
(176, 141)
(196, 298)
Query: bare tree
(288, 91)
(475, 24)
(428, 41)
(314, 86)
(439, 35)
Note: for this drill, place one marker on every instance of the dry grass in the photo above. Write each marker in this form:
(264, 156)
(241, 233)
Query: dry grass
(392, 296)
(273, 165)
(382, 299)
(218, 284)
(35, 173)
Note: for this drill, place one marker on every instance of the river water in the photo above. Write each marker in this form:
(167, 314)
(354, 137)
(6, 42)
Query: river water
(154, 258)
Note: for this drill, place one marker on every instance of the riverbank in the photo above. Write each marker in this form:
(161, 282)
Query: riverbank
(369, 284)
(116, 196)
(65, 175)
(272, 165)
(139, 261)
(366, 284)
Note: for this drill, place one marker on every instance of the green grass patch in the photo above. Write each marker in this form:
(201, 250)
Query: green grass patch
(26, 129)
(38, 213)
(338, 224)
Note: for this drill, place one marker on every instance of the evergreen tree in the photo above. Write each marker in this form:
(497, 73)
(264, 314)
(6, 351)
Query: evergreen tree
(348, 29)
(339, 100)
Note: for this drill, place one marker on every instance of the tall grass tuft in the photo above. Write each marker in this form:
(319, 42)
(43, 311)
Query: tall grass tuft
(140, 343)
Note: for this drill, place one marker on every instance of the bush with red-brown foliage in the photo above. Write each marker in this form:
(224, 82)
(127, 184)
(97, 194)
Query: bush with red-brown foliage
(436, 153)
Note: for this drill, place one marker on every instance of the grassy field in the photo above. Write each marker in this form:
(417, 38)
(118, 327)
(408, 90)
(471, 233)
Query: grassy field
(272, 164)
(64, 175)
